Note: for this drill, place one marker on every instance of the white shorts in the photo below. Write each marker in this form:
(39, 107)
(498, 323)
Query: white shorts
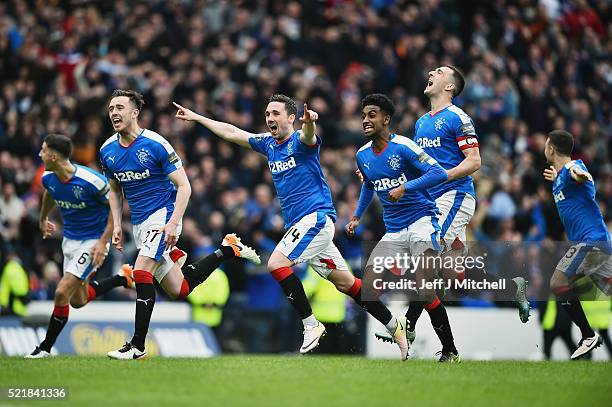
(311, 240)
(150, 241)
(456, 211)
(420, 236)
(584, 259)
(77, 257)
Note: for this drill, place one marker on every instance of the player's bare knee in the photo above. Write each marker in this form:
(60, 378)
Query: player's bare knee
(558, 280)
(426, 295)
(62, 295)
(145, 263)
(343, 280)
(447, 274)
(278, 260)
(275, 264)
(174, 293)
(553, 283)
(75, 303)
(272, 266)
(343, 286)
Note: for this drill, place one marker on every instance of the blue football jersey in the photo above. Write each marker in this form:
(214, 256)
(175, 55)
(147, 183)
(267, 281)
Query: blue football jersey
(297, 176)
(444, 135)
(578, 208)
(82, 200)
(401, 161)
(142, 170)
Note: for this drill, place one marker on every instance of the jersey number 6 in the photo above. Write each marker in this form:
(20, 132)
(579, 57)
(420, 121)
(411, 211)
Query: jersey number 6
(83, 258)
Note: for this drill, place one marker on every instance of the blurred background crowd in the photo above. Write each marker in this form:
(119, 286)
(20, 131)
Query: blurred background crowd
(530, 65)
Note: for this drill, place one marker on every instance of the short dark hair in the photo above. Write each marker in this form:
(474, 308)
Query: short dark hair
(135, 97)
(562, 140)
(458, 78)
(59, 143)
(290, 105)
(378, 99)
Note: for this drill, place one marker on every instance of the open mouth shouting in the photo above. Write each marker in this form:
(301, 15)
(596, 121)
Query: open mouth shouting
(116, 121)
(430, 84)
(273, 127)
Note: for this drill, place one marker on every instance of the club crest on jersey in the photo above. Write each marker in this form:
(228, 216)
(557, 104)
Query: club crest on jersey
(438, 123)
(142, 155)
(395, 162)
(77, 191)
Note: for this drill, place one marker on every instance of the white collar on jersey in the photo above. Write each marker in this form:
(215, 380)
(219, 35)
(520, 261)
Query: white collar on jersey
(570, 164)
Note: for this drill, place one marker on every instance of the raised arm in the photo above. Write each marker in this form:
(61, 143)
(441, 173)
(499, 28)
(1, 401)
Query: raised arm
(308, 135)
(226, 131)
(579, 175)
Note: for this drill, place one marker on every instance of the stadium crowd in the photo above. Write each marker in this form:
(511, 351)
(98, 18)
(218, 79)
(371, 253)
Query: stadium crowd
(530, 65)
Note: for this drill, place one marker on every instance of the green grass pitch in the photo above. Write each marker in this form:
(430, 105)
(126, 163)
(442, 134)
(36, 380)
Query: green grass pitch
(316, 381)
